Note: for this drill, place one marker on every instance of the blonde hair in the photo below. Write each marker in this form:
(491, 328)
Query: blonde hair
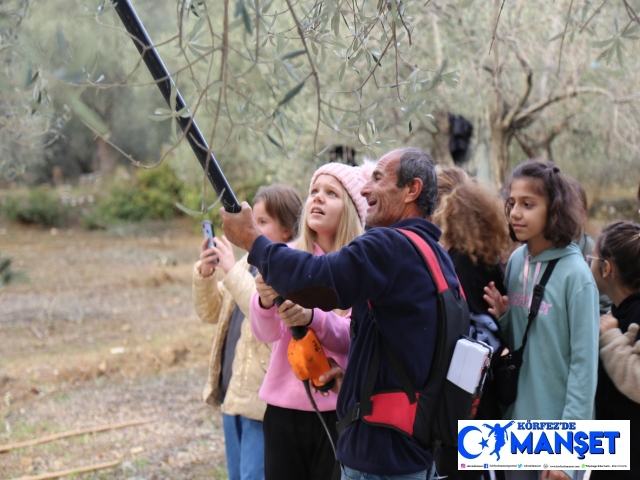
(448, 179)
(473, 223)
(349, 226)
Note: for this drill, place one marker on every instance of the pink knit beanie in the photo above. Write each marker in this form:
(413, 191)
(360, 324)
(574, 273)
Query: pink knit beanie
(352, 179)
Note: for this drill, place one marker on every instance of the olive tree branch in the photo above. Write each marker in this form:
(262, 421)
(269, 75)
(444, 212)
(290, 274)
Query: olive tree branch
(314, 72)
(495, 28)
(564, 34)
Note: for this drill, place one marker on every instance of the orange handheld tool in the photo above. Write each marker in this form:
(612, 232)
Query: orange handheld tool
(307, 359)
(306, 356)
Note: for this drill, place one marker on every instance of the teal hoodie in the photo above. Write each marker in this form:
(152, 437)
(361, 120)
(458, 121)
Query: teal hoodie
(560, 362)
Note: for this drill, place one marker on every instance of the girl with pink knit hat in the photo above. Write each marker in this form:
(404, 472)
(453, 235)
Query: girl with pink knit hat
(296, 444)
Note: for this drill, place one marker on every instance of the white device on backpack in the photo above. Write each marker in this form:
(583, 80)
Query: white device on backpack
(469, 364)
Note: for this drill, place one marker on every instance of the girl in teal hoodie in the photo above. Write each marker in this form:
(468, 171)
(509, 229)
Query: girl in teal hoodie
(560, 361)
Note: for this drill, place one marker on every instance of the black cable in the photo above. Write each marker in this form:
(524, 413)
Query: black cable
(307, 387)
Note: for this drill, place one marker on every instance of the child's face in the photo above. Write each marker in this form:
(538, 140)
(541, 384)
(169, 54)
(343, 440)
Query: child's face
(528, 215)
(324, 205)
(269, 226)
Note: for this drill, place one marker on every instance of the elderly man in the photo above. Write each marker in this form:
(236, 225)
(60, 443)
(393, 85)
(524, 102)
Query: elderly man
(383, 277)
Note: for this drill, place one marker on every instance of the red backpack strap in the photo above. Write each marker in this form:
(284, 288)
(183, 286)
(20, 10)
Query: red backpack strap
(432, 261)
(394, 409)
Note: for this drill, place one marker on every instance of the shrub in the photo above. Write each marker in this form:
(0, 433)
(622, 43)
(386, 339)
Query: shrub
(93, 221)
(153, 198)
(7, 275)
(39, 206)
(161, 178)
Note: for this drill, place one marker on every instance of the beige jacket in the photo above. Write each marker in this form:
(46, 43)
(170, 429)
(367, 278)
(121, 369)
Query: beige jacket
(215, 298)
(621, 359)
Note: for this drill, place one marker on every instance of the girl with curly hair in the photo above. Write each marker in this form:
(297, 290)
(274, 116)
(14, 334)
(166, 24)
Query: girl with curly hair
(475, 232)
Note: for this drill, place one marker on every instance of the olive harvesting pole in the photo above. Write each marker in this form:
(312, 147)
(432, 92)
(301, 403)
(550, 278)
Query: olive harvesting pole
(188, 124)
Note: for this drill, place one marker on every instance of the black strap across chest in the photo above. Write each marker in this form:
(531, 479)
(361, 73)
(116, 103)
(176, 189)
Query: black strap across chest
(536, 300)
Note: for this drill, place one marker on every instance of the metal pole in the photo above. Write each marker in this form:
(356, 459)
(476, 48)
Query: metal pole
(188, 125)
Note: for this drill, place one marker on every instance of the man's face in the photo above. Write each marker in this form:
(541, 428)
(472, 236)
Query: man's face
(385, 199)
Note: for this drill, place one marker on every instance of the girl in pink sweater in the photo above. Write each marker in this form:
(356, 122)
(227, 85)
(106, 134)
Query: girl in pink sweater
(296, 444)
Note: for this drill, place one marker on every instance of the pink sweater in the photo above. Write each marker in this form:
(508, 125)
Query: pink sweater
(280, 387)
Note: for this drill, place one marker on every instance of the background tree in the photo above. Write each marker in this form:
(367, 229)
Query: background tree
(26, 119)
(275, 83)
(541, 78)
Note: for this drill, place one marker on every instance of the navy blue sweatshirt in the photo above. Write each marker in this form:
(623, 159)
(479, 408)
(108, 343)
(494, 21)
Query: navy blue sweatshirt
(384, 267)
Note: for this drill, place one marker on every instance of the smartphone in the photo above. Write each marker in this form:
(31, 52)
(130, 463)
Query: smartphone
(207, 230)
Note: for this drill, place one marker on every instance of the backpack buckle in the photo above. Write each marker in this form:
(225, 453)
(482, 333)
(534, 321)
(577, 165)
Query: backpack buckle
(356, 412)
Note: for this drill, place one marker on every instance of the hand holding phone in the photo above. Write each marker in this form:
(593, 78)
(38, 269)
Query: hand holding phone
(207, 230)
(207, 262)
(215, 254)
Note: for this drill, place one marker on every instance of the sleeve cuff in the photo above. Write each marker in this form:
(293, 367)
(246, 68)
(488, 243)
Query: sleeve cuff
(317, 320)
(258, 310)
(197, 276)
(609, 336)
(257, 251)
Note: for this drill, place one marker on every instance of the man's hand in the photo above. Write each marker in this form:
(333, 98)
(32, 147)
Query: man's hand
(240, 228)
(554, 475)
(607, 322)
(336, 373)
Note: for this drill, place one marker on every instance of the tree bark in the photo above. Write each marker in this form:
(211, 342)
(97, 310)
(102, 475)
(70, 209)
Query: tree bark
(500, 140)
(441, 149)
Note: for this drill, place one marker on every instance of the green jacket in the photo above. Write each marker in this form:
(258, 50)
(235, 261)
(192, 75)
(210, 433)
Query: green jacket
(560, 362)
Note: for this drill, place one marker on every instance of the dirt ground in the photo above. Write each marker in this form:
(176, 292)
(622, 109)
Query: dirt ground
(102, 331)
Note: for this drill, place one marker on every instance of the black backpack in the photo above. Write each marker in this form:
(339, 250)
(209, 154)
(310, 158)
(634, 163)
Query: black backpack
(430, 415)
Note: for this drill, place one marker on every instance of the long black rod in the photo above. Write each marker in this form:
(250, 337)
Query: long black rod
(188, 125)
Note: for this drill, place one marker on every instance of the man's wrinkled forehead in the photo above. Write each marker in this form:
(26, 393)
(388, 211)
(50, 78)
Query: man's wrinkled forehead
(388, 164)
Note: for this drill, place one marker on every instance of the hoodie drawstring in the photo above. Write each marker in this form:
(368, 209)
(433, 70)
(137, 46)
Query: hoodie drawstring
(526, 276)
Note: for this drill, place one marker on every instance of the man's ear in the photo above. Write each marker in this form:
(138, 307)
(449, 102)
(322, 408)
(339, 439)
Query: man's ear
(414, 191)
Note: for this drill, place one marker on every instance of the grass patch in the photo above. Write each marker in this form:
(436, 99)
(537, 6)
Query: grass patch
(209, 473)
(106, 473)
(220, 473)
(62, 397)
(56, 449)
(23, 430)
